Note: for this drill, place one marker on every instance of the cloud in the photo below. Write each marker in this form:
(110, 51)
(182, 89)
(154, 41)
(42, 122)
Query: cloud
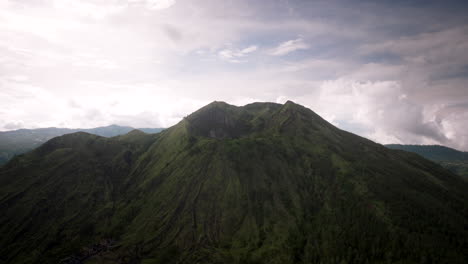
(172, 32)
(235, 55)
(160, 4)
(249, 49)
(89, 9)
(395, 76)
(379, 110)
(14, 125)
(288, 47)
(73, 104)
(18, 78)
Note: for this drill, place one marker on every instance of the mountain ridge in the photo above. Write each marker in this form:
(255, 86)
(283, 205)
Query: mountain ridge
(452, 159)
(19, 141)
(439, 152)
(284, 186)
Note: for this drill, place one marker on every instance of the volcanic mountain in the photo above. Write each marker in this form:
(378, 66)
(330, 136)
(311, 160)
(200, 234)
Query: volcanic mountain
(262, 183)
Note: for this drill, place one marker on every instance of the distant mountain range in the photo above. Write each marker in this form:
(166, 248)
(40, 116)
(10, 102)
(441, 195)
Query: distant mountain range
(23, 140)
(263, 183)
(452, 159)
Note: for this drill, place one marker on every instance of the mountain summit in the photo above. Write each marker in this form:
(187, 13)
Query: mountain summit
(262, 183)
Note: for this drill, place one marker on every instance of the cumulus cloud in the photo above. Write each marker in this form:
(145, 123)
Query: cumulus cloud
(288, 47)
(382, 109)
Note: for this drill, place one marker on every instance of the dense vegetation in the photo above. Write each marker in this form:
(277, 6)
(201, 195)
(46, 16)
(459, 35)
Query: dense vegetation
(20, 141)
(452, 159)
(263, 183)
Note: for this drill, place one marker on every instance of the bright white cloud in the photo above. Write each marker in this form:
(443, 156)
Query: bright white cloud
(154, 4)
(160, 4)
(378, 111)
(92, 9)
(288, 47)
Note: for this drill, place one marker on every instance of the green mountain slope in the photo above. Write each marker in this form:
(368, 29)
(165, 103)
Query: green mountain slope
(452, 159)
(23, 140)
(263, 183)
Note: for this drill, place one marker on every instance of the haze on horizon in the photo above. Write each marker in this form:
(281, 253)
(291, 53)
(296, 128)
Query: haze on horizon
(393, 71)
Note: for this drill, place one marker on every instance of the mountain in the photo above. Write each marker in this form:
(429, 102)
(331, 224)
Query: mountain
(23, 140)
(452, 159)
(262, 183)
(433, 152)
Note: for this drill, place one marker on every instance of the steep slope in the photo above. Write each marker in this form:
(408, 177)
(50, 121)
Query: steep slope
(23, 140)
(452, 159)
(59, 192)
(263, 183)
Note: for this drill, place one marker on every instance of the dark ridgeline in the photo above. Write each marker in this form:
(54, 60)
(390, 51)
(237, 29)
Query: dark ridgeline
(20, 141)
(263, 183)
(451, 159)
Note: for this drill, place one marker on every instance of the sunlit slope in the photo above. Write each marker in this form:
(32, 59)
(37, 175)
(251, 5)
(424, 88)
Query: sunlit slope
(263, 183)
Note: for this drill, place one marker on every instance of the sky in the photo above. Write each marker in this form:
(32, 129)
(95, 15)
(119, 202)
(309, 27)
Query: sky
(391, 71)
